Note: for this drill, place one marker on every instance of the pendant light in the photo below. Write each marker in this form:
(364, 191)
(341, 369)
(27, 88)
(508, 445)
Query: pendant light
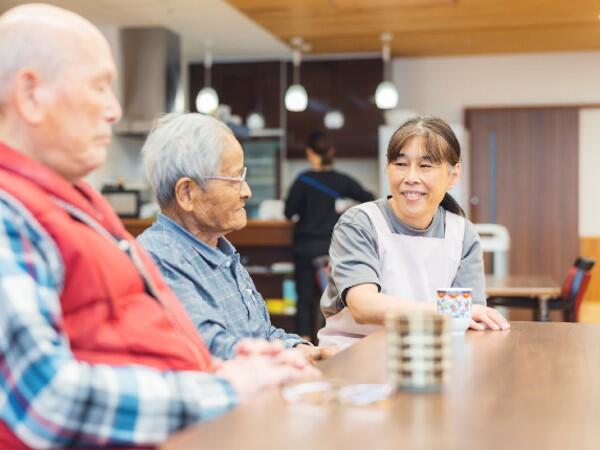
(296, 97)
(255, 121)
(334, 119)
(386, 94)
(207, 99)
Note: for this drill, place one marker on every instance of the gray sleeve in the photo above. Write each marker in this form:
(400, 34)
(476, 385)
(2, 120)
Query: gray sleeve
(353, 259)
(470, 272)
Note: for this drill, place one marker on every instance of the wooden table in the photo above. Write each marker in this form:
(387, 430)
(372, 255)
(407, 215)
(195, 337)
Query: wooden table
(532, 387)
(539, 287)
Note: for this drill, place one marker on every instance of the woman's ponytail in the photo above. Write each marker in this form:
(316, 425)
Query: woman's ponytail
(449, 204)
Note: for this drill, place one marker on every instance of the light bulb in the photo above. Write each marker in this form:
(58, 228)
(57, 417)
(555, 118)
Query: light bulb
(255, 121)
(296, 98)
(334, 120)
(386, 95)
(207, 100)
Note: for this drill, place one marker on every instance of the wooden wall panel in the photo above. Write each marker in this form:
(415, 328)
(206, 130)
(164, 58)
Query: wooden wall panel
(246, 87)
(589, 246)
(346, 85)
(524, 165)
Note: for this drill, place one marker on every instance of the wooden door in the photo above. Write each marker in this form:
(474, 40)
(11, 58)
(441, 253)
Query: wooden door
(524, 165)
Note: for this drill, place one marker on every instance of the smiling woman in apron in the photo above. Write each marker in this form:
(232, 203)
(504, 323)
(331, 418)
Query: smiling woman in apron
(393, 253)
(316, 199)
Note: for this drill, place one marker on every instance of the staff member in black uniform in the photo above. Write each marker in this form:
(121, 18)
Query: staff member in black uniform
(316, 199)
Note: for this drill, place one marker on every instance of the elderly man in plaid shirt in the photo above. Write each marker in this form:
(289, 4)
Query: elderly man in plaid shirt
(196, 167)
(95, 349)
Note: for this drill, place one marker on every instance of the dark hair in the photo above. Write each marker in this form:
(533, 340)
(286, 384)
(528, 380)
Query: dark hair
(441, 145)
(320, 143)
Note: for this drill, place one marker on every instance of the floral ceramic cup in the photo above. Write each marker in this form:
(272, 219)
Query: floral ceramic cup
(456, 303)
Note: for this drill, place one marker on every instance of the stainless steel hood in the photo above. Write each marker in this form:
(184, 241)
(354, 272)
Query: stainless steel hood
(150, 77)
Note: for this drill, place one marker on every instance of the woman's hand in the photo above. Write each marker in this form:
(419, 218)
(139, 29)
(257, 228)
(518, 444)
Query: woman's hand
(484, 317)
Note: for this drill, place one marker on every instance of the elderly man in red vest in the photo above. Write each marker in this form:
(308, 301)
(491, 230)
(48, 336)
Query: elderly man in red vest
(95, 349)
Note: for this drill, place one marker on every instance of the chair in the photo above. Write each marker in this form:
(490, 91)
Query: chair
(573, 290)
(495, 239)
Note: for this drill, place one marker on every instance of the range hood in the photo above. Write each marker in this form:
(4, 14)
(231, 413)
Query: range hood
(150, 76)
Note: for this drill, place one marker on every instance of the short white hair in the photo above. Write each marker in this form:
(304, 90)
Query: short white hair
(183, 145)
(28, 39)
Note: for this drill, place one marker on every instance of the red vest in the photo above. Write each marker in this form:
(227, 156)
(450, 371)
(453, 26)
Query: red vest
(106, 313)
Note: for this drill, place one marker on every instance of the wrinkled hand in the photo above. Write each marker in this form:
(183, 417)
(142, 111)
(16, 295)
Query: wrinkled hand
(484, 317)
(314, 354)
(248, 347)
(261, 365)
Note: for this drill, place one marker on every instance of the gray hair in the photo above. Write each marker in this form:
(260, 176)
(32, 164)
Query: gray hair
(183, 145)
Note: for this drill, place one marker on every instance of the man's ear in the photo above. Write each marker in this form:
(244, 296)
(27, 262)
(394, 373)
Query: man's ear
(455, 174)
(28, 95)
(186, 191)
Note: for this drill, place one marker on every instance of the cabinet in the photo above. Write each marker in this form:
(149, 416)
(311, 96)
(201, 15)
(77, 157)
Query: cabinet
(245, 87)
(346, 85)
(262, 157)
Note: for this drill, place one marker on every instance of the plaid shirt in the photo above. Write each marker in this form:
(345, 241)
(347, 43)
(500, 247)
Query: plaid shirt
(213, 285)
(51, 400)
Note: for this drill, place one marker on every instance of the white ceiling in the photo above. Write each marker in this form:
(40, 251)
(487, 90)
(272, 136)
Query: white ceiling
(233, 35)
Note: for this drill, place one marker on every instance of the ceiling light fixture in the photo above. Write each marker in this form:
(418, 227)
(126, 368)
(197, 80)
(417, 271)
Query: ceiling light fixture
(255, 121)
(386, 94)
(207, 99)
(296, 97)
(334, 119)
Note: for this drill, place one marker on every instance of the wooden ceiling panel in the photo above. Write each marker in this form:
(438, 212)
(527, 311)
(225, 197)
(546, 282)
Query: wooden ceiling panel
(431, 27)
(472, 42)
(354, 5)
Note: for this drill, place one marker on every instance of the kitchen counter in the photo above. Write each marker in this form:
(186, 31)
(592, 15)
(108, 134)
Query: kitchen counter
(257, 233)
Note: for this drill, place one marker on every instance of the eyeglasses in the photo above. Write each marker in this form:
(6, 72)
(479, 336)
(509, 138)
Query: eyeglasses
(241, 179)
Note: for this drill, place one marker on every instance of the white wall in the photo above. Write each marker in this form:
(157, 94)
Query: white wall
(589, 167)
(123, 159)
(445, 86)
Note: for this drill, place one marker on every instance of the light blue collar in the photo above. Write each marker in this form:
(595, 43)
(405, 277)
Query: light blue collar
(216, 257)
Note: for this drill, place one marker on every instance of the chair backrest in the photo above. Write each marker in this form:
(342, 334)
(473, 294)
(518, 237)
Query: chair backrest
(495, 239)
(576, 282)
(321, 265)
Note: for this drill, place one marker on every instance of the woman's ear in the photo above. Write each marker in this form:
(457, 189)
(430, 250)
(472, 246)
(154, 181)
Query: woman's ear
(186, 190)
(455, 174)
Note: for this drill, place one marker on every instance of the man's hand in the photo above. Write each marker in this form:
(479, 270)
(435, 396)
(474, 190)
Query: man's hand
(251, 374)
(484, 317)
(261, 364)
(317, 353)
(249, 347)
